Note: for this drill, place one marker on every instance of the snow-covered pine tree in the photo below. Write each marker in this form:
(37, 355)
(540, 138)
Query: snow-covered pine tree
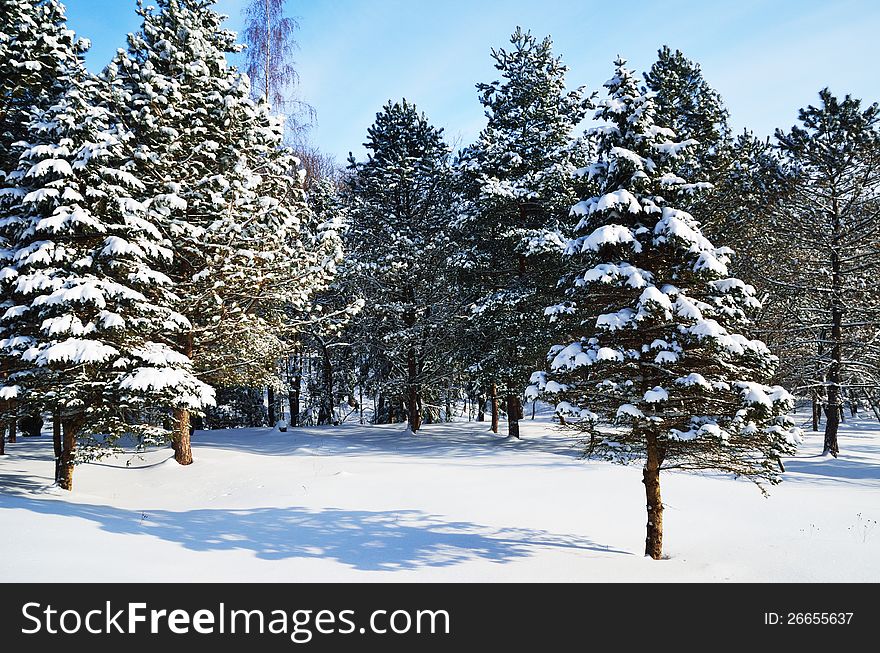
(746, 206)
(655, 368)
(831, 220)
(223, 191)
(744, 200)
(518, 182)
(318, 357)
(686, 104)
(86, 311)
(399, 239)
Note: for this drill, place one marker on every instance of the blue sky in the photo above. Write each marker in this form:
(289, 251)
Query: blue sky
(766, 58)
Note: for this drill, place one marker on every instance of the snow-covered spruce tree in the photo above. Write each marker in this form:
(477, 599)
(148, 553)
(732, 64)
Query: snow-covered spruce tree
(399, 240)
(30, 42)
(223, 191)
(831, 220)
(86, 309)
(655, 368)
(30, 47)
(518, 182)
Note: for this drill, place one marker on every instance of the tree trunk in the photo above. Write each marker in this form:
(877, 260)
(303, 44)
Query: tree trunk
(68, 452)
(413, 409)
(832, 423)
(514, 414)
(379, 410)
(293, 398)
(56, 443)
(8, 407)
(325, 407)
(268, 70)
(180, 436)
(481, 407)
(493, 398)
(270, 402)
(817, 412)
(651, 479)
(834, 369)
(13, 429)
(181, 441)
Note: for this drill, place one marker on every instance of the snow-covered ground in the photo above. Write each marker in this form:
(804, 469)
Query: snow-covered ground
(454, 503)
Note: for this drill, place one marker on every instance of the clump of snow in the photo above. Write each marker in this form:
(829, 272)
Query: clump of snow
(629, 410)
(656, 395)
(609, 234)
(693, 379)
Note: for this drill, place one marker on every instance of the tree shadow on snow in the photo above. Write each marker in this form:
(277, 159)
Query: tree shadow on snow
(825, 469)
(15, 481)
(364, 540)
(459, 440)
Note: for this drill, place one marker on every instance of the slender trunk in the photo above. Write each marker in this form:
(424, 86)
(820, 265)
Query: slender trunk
(380, 409)
(521, 258)
(481, 407)
(326, 406)
(493, 397)
(514, 414)
(270, 400)
(180, 437)
(56, 444)
(13, 429)
(834, 369)
(534, 405)
(8, 407)
(413, 410)
(70, 429)
(448, 404)
(361, 403)
(293, 398)
(817, 412)
(7, 418)
(651, 479)
(268, 48)
(293, 395)
(853, 408)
